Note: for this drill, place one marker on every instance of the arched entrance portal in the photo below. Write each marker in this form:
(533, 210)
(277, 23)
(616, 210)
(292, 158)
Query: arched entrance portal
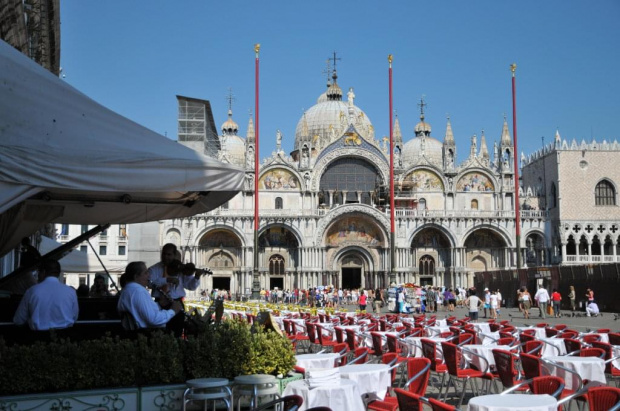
(351, 271)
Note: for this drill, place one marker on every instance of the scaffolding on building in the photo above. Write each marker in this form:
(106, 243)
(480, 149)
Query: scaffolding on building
(196, 124)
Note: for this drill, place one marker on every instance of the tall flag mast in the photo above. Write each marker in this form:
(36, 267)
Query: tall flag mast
(513, 69)
(392, 235)
(255, 280)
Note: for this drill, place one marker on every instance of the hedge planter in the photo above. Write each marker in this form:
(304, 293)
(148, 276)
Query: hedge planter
(166, 397)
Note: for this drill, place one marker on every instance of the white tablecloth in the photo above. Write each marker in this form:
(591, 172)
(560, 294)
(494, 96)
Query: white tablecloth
(588, 368)
(436, 330)
(310, 361)
(489, 338)
(370, 378)
(441, 323)
(615, 352)
(414, 345)
(345, 396)
(482, 327)
(549, 343)
(540, 332)
(510, 402)
(485, 351)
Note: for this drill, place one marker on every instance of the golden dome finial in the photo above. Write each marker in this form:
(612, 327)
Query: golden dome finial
(513, 68)
(257, 48)
(390, 58)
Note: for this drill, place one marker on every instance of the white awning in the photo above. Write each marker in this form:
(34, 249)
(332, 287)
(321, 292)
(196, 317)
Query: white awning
(66, 159)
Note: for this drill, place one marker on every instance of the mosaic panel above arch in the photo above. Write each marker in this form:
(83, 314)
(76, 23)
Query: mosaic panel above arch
(430, 238)
(220, 238)
(475, 182)
(353, 229)
(422, 180)
(173, 236)
(279, 179)
(277, 236)
(484, 238)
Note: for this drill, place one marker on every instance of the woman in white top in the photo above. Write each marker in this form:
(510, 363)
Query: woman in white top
(527, 302)
(493, 301)
(473, 303)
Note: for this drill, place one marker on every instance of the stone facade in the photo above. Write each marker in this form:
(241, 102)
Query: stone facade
(324, 209)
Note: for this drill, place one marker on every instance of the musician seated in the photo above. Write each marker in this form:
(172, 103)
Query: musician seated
(49, 304)
(136, 304)
(99, 288)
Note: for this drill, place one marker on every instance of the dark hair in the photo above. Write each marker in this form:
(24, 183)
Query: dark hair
(472, 291)
(51, 267)
(99, 276)
(82, 290)
(132, 270)
(168, 246)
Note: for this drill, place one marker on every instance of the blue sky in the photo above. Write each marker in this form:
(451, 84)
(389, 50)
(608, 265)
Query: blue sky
(135, 56)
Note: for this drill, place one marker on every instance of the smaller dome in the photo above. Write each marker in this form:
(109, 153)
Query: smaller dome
(422, 127)
(229, 127)
(235, 149)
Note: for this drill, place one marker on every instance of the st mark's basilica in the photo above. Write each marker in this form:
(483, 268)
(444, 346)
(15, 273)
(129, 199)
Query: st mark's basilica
(324, 209)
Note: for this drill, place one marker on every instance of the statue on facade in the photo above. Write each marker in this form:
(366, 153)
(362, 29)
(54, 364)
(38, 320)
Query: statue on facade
(350, 97)
(305, 156)
(249, 157)
(278, 140)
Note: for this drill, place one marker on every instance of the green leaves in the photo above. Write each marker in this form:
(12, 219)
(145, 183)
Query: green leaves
(225, 351)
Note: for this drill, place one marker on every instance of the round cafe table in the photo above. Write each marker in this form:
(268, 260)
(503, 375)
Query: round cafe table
(311, 361)
(511, 402)
(370, 378)
(588, 368)
(343, 396)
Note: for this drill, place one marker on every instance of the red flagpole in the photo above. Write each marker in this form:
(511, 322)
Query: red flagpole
(392, 211)
(256, 281)
(513, 68)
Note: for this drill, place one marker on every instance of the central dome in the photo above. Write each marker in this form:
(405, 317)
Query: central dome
(329, 118)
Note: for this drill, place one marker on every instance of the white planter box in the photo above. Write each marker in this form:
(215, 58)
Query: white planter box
(166, 397)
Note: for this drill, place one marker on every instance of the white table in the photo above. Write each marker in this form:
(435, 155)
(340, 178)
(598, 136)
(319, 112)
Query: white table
(370, 378)
(540, 332)
(512, 402)
(482, 327)
(441, 323)
(615, 352)
(436, 330)
(310, 361)
(414, 345)
(549, 344)
(485, 351)
(345, 396)
(588, 368)
(488, 338)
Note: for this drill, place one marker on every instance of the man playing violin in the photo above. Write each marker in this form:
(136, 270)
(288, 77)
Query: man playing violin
(169, 279)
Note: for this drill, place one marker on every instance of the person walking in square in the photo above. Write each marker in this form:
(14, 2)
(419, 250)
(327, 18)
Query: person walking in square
(542, 297)
(556, 299)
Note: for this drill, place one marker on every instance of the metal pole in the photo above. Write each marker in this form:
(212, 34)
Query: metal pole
(392, 211)
(513, 68)
(255, 280)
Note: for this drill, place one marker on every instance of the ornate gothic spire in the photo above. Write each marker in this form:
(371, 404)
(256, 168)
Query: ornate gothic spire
(506, 140)
(472, 150)
(449, 137)
(484, 151)
(398, 135)
(250, 136)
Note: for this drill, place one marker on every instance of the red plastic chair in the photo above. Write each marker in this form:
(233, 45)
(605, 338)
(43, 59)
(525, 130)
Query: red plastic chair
(325, 341)
(572, 345)
(569, 334)
(550, 332)
(614, 338)
(547, 384)
(560, 327)
(534, 347)
(532, 365)
(408, 400)
(351, 339)
(429, 351)
(591, 338)
(453, 358)
(603, 398)
(507, 370)
(611, 371)
(377, 344)
(361, 355)
(592, 352)
(340, 332)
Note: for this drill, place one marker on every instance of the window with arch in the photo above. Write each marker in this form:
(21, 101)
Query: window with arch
(276, 265)
(604, 194)
(279, 203)
(554, 196)
(422, 204)
(474, 204)
(427, 265)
